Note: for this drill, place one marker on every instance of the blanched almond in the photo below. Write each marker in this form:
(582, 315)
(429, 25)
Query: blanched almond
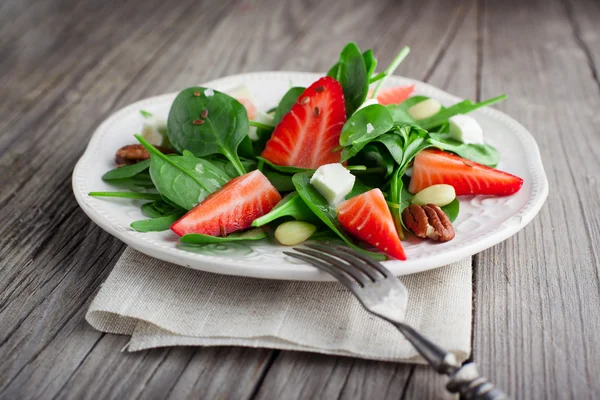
(440, 195)
(291, 233)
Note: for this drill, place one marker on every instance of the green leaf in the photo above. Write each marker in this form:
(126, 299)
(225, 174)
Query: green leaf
(127, 195)
(292, 206)
(196, 238)
(480, 153)
(160, 208)
(400, 113)
(452, 209)
(157, 224)
(281, 181)
(321, 208)
(184, 180)
(394, 143)
(284, 168)
(362, 127)
(375, 155)
(463, 107)
(145, 114)
(127, 171)
(287, 101)
(370, 63)
(351, 72)
(205, 121)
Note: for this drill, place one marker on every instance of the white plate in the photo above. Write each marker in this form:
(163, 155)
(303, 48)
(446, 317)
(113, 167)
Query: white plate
(483, 221)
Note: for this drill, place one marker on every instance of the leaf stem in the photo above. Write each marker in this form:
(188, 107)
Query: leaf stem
(377, 77)
(260, 125)
(127, 195)
(235, 160)
(390, 70)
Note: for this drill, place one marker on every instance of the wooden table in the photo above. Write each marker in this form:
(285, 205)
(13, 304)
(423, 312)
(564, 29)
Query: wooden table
(66, 65)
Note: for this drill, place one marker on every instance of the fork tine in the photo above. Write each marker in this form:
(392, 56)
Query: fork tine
(375, 264)
(331, 270)
(354, 272)
(354, 261)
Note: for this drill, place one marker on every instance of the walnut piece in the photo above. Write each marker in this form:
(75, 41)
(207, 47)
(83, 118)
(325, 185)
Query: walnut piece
(134, 153)
(428, 221)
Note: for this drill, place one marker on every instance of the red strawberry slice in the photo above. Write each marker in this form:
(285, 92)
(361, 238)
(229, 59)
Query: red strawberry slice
(368, 217)
(432, 167)
(231, 208)
(307, 135)
(394, 95)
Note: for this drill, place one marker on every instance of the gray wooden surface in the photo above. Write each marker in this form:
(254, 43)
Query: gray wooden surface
(66, 65)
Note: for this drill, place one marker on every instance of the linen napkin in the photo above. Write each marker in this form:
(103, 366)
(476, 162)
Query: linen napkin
(162, 304)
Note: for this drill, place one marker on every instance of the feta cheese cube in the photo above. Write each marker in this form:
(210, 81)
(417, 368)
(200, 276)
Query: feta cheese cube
(465, 129)
(425, 109)
(154, 130)
(368, 102)
(333, 181)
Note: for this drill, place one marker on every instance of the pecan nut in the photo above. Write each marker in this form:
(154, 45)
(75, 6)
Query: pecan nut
(134, 153)
(428, 221)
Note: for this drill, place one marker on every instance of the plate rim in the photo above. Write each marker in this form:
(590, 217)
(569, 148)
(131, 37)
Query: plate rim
(230, 266)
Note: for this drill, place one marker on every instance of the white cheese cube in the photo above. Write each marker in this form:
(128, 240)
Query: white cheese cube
(154, 130)
(465, 129)
(368, 102)
(425, 109)
(263, 118)
(333, 181)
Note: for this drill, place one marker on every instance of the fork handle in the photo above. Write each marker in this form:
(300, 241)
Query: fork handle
(464, 379)
(472, 386)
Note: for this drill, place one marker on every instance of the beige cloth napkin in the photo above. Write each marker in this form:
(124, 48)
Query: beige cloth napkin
(161, 304)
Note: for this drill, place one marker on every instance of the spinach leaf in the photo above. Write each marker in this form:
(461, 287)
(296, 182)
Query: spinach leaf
(127, 171)
(283, 168)
(370, 63)
(157, 224)
(362, 127)
(480, 153)
(282, 182)
(196, 238)
(464, 107)
(291, 205)
(205, 121)
(127, 195)
(351, 72)
(376, 158)
(286, 103)
(160, 208)
(184, 180)
(451, 210)
(321, 208)
(390, 70)
(400, 113)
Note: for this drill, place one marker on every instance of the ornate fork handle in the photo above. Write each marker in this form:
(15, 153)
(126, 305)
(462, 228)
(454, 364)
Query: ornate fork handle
(471, 385)
(464, 379)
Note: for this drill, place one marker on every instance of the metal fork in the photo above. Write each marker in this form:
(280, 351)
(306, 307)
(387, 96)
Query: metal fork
(382, 294)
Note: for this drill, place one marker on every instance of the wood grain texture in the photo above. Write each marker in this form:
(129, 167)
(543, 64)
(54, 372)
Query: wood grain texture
(66, 65)
(537, 294)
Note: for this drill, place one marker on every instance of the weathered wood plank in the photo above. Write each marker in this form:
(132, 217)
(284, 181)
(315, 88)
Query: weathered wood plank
(537, 294)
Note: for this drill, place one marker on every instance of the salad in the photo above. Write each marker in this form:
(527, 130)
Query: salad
(342, 158)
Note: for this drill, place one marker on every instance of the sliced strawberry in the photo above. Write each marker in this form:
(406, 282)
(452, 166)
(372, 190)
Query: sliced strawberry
(368, 217)
(394, 95)
(432, 167)
(231, 208)
(250, 108)
(307, 135)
